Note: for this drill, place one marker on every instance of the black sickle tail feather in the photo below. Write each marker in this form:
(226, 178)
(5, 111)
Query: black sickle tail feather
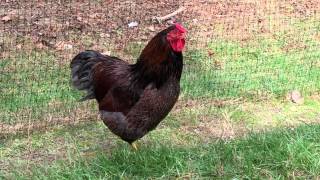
(81, 67)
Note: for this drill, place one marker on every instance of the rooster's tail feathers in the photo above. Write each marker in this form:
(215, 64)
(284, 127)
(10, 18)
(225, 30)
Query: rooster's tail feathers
(81, 67)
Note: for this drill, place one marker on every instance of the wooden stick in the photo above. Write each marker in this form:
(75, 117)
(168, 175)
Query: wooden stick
(166, 17)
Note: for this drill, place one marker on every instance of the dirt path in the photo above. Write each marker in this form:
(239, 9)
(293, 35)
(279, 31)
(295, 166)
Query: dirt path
(55, 25)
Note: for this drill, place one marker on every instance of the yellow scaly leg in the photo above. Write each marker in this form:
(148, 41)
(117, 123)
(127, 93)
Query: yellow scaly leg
(134, 146)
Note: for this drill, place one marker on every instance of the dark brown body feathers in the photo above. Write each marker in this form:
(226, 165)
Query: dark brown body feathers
(133, 99)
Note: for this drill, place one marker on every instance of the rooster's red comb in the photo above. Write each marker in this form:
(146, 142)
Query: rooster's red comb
(180, 28)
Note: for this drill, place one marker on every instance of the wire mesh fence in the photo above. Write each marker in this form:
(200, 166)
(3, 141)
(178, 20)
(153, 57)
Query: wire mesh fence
(235, 49)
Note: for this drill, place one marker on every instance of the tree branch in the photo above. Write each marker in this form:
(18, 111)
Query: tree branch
(166, 17)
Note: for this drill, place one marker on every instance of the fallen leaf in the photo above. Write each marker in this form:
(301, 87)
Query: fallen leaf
(79, 18)
(19, 46)
(63, 46)
(296, 97)
(104, 35)
(133, 24)
(68, 46)
(39, 45)
(6, 18)
(151, 28)
(218, 64)
(210, 53)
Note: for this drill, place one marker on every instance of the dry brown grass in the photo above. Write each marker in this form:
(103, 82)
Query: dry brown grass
(81, 113)
(228, 119)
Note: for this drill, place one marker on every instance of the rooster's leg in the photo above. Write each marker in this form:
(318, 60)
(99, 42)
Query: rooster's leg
(134, 146)
(118, 124)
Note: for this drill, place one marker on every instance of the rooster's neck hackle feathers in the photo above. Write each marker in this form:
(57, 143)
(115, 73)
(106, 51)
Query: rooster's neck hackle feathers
(157, 50)
(157, 62)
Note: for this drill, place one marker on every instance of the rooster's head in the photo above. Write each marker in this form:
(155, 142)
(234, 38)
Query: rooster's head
(176, 37)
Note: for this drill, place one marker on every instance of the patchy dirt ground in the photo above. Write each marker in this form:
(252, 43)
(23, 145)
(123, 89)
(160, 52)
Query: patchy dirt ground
(103, 25)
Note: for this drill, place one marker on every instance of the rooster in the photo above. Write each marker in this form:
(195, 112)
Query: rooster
(133, 98)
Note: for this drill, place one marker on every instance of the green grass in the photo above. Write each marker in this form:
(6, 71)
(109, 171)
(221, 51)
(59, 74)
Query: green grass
(181, 146)
(279, 154)
(33, 82)
(249, 69)
(271, 65)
